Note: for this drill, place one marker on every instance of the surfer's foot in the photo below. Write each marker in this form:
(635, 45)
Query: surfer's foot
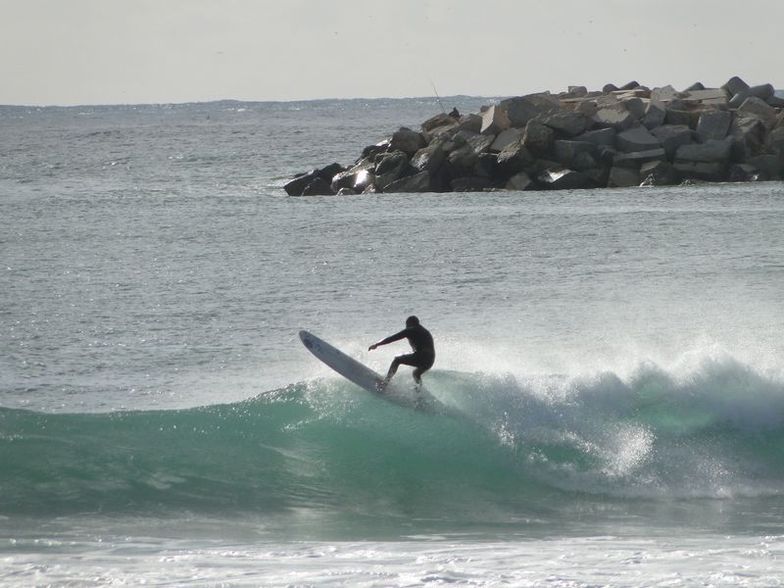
(382, 384)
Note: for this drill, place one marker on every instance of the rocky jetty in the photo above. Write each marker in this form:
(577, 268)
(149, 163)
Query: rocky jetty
(619, 137)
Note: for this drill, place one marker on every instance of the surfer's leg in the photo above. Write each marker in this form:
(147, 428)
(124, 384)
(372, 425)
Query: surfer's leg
(393, 368)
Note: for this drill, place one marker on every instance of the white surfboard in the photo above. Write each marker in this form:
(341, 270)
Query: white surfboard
(366, 378)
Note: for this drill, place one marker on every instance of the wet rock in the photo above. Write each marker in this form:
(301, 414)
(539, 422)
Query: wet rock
(462, 161)
(710, 151)
(419, 182)
(744, 172)
(390, 168)
(429, 158)
(519, 182)
(658, 173)
(471, 184)
(655, 113)
(770, 166)
(346, 192)
(318, 187)
(637, 158)
(763, 92)
(706, 171)
(623, 177)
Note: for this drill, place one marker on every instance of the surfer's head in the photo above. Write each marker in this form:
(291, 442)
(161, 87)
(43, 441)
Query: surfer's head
(412, 321)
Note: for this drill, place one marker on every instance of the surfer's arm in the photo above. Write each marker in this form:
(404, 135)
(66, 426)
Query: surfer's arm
(390, 339)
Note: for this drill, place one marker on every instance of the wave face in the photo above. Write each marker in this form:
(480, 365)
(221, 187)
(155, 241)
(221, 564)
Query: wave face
(511, 448)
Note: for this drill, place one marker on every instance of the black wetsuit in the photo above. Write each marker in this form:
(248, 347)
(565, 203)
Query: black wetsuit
(421, 342)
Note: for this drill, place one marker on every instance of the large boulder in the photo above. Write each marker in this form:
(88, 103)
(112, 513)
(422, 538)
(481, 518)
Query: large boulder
(704, 161)
(407, 141)
(599, 137)
(506, 138)
(514, 159)
(354, 177)
(318, 187)
(566, 123)
(748, 134)
(519, 182)
(419, 182)
(770, 165)
(760, 109)
(522, 109)
(658, 173)
(735, 85)
(655, 113)
(538, 138)
(429, 158)
(441, 121)
(390, 168)
(297, 186)
(673, 136)
(623, 177)
(763, 92)
(494, 120)
(567, 152)
(636, 139)
(637, 158)
(462, 161)
(713, 124)
(615, 116)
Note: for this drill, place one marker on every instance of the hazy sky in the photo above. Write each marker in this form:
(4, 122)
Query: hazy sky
(133, 51)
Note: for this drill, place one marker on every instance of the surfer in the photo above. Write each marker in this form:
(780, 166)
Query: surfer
(421, 342)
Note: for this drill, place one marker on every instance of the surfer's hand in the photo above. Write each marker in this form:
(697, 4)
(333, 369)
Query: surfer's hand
(372, 347)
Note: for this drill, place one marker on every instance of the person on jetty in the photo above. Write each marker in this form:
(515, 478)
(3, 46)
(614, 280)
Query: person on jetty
(421, 342)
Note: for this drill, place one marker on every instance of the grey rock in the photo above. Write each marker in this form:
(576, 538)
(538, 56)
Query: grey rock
(439, 120)
(494, 120)
(471, 184)
(346, 192)
(538, 138)
(701, 170)
(636, 139)
(429, 158)
(630, 86)
(744, 172)
(514, 159)
(735, 85)
(664, 94)
(390, 168)
(635, 106)
(407, 141)
(748, 134)
(296, 186)
(655, 113)
(637, 158)
(566, 123)
(577, 91)
(419, 182)
(599, 137)
(678, 116)
(520, 182)
(775, 102)
(763, 92)
(481, 143)
(623, 177)
(695, 86)
(673, 136)
(615, 116)
(318, 187)
(522, 109)
(566, 151)
(353, 176)
(770, 165)
(757, 107)
(711, 151)
(471, 123)
(487, 165)
(658, 173)
(506, 138)
(713, 124)
(463, 160)
(607, 88)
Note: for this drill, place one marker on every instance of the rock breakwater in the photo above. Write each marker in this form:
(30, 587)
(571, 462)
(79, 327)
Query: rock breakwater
(616, 137)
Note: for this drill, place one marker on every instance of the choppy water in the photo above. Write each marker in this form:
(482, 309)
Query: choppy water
(613, 359)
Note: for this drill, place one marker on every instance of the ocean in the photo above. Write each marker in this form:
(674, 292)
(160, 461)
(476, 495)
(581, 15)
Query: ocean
(612, 360)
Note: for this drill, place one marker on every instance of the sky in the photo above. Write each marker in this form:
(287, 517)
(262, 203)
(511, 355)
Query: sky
(68, 52)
